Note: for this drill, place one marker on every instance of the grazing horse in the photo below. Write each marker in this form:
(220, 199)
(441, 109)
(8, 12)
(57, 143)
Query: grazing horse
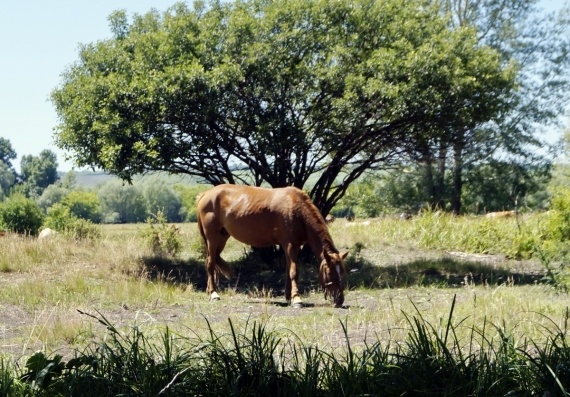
(262, 217)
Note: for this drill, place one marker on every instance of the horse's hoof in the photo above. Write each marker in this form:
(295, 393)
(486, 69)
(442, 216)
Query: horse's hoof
(214, 296)
(297, 303)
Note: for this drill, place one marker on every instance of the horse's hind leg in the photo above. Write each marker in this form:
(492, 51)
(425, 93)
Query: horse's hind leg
(211, 270)
(215, 264)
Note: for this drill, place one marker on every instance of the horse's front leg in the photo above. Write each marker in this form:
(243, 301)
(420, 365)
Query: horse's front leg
(291, 287)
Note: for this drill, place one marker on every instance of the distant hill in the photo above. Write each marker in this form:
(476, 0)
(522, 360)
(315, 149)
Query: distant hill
(90, 179)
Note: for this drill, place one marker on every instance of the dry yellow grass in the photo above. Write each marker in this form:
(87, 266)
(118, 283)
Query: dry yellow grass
(44, 285)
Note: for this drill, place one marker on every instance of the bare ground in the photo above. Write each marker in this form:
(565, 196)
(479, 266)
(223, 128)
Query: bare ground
(375, 277)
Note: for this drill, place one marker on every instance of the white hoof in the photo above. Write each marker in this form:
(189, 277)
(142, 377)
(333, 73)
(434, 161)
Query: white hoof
(297, 303)
(214, 296)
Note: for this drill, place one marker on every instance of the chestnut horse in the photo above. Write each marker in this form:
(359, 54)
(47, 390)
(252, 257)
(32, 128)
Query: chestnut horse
(262, 217)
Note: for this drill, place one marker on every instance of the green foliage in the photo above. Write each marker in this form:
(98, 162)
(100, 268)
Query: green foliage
(7, 179)
(558, 223)
(161, 238)
(53, 194)
(161, 197)
(490, 187)
(553, 250)
(56, 192)
(82, 229)
(361, 201)
(122, 203)
(278, 92)
(432, 361)
(61, 219)
(7, 153)
(19, 214)
(500, 186)
(58, 216)
(83, 205)
(188, 195)
(38, 172)
(42, 370)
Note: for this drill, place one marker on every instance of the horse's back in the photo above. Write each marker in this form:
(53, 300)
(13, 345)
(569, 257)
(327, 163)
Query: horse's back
(255, 216)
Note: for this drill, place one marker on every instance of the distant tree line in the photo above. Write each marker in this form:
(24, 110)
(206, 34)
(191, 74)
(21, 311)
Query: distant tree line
(37, 196)
(39, 192)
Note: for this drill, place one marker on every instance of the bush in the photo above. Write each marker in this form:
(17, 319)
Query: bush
(82, 229)
(58, 217)
(52, 195)
(122, 204)
(553, 251)
(62, 220)
(161, 238)
(84, 205)
(21, 215)
(162, 197)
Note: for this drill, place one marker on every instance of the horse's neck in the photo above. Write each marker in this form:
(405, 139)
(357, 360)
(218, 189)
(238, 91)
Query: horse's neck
(319, 239)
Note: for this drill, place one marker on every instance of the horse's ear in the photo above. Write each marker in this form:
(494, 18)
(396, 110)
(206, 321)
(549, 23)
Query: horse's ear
(344, 255)
(326, 255)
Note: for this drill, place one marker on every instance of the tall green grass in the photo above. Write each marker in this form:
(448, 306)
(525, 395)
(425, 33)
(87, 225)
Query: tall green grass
(515, 237)
(431, 361)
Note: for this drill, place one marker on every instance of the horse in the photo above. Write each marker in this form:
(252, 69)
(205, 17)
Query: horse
(262, 217)
(501, 214)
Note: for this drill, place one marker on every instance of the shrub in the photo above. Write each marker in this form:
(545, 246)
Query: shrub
(557, 225)
(58, 216)
(82, 229)
(553, 251)
(161, 238)
(53, 194)
(62, 220)
(21, 215)
(84, 205)
(122, 204)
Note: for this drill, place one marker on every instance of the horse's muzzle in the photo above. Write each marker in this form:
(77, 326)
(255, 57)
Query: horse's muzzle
(338, 299)
(335, 292)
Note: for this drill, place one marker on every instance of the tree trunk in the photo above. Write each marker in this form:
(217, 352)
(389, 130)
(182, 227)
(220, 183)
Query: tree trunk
(428, 181)
(439, 189)
(457, 175)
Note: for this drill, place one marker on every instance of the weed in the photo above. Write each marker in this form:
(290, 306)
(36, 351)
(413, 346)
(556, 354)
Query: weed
(161, 238)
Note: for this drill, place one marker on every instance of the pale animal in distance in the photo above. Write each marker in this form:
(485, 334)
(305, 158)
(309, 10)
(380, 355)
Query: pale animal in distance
(501, 214)
(47, 233)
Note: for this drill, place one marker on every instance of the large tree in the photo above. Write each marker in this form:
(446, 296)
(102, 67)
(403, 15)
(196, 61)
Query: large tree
(539, 43)
(7, 173)
(38, 172)
(286, 92)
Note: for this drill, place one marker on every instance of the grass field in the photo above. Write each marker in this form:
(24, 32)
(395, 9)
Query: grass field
(43, 284)
(54, 293)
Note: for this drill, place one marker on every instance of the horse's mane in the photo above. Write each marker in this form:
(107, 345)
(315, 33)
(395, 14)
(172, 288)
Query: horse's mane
(314, 219)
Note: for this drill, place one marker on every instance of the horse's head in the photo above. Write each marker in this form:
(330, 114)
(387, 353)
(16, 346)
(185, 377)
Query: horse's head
(331, 275)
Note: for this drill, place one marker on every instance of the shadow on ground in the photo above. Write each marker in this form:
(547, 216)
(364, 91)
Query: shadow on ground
(258, 274)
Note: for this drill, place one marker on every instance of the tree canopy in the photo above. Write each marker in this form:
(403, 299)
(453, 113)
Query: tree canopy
(38, 172)
(539, 43)
(287, 92)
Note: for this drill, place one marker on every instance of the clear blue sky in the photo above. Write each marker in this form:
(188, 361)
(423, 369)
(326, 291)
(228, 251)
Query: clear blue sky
(38, 40)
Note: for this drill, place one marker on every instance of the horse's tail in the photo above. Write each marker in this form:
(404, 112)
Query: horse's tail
(201, 229)
(223, 268)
